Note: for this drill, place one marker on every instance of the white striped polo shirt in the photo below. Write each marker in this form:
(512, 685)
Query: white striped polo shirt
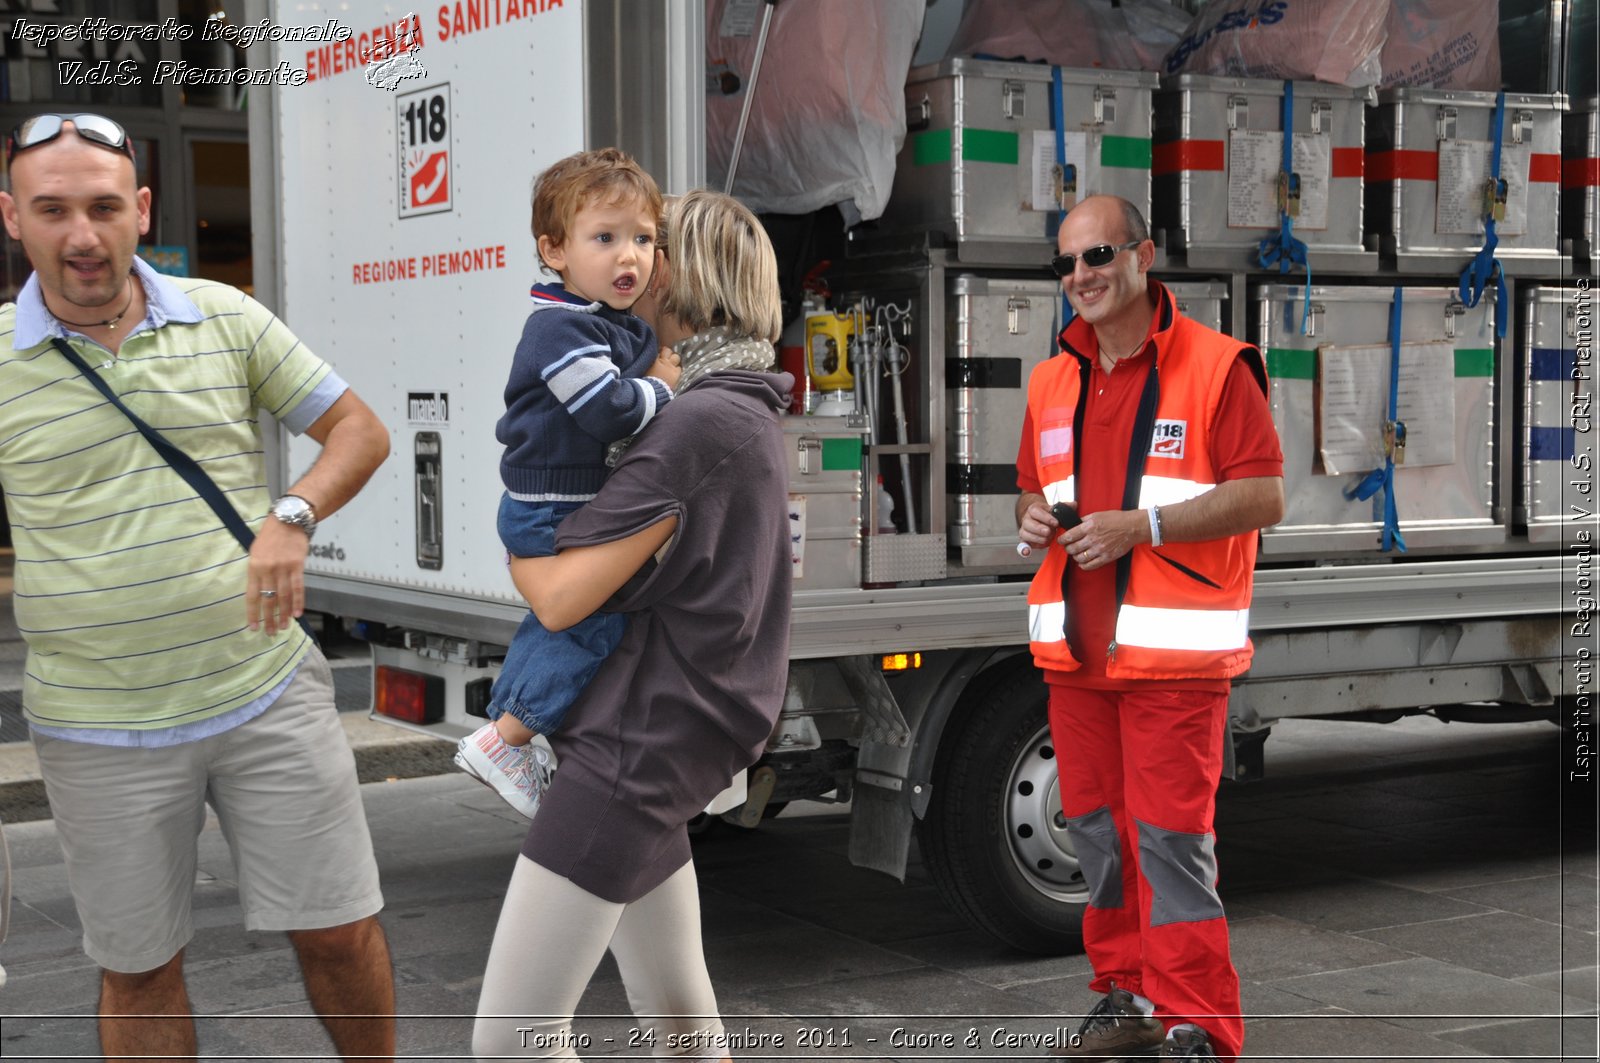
(128, 590)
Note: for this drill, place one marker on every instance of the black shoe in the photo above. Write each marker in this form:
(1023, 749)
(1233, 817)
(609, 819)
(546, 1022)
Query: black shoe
(1115, 1030)
(1192, 1044)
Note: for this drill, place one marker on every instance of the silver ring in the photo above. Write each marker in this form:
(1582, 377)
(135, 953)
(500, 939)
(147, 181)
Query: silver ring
(268, 594)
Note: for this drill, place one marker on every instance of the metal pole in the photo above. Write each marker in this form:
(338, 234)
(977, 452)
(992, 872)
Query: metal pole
(749, 95)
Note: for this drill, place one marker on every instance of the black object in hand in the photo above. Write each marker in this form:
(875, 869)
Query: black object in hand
(1066, 515)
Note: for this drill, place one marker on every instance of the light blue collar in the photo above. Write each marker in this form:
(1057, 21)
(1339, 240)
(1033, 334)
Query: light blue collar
(164, 302)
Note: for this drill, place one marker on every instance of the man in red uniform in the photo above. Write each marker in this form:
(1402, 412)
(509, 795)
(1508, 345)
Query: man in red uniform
(1156, 430)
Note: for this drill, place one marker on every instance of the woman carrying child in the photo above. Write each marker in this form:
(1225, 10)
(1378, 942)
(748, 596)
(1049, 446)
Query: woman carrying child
(689, 539)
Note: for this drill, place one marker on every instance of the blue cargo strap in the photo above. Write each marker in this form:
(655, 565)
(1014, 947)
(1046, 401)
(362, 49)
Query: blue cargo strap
(1059, 124)
(1394, 436)
(1285, 249)
(1484, 267)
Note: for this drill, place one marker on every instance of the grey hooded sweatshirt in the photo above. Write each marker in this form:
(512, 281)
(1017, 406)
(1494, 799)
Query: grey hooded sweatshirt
(691, 694)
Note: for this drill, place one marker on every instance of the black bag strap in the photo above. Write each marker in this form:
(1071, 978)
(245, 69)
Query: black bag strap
(181, 463)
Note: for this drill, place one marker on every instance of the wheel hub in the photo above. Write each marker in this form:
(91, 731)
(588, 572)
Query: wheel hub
(1036, 828)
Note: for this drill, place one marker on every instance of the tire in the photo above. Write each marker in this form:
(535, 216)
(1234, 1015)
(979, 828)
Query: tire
(994, 838)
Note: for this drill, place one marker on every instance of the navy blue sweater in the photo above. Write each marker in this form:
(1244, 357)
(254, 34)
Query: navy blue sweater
(577, 385)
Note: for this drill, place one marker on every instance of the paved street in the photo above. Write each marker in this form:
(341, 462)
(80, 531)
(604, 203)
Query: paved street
(1413, 891)
(1396, 892)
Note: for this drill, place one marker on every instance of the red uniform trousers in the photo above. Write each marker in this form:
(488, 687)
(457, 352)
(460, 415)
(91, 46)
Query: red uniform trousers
(1139, 773)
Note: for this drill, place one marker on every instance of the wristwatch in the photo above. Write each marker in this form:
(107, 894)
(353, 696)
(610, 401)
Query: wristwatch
(292, 509)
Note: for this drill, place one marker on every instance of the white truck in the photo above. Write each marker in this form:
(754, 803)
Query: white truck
(391, 227)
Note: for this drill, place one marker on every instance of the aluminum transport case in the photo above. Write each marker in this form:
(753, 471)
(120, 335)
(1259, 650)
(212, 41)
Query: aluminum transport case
(1552, 407)
(999, 329)
(979, 160)
(1580, 180)
(824, 501)
(1219, 144)
(1428, 161)
(1330, 391)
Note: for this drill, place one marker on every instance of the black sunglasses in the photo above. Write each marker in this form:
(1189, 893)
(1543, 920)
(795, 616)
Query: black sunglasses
(1094, 258)
(43, 128)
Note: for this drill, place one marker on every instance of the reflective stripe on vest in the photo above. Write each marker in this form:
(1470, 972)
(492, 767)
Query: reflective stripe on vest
(1157, 490)
(1047, 622)
(1061, 491)
(1205, 630)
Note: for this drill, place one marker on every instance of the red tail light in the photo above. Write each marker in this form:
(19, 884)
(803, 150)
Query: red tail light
(409, 696)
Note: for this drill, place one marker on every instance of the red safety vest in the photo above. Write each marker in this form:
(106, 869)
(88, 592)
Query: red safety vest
(1183, 611)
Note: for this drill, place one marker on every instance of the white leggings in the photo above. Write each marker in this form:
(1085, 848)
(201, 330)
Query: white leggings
(552, 935)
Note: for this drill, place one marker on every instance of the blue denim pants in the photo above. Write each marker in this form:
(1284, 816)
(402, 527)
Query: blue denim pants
(545, 671)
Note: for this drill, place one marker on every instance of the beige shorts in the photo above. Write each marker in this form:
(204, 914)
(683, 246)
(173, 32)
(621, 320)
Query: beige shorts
(284, 790)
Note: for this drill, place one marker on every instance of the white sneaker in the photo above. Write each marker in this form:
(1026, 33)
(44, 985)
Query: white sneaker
(519, 774)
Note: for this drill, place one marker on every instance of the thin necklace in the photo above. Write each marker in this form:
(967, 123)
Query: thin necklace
(1114, 359)
(110, 322)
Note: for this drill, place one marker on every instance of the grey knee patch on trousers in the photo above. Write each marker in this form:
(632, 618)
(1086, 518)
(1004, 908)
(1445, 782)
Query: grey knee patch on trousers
(1099, 848)
(1182, 871)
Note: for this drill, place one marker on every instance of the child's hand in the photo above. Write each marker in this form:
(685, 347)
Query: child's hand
(666, 368)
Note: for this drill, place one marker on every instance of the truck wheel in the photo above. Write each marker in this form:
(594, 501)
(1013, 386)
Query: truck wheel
(994, 838)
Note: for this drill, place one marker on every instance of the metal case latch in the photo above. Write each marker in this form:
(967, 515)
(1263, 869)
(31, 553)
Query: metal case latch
(919, 114)
(1238, 112)
(1105, 106)
(1521, 127)
(810, 448)
(1013, 99)
(1452, 310)
(1017, 315)
(1322, 116)
(1447, 123)
(1312, 317)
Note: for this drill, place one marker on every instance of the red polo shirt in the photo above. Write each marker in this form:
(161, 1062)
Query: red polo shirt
(1244, 445)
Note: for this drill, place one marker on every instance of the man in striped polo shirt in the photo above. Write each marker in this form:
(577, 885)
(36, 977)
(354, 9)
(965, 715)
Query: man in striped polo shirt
(165, 669)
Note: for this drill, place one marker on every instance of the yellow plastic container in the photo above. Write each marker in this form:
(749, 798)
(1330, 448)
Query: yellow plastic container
(827, 351)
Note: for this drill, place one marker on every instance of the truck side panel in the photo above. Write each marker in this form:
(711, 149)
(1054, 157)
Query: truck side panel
(407, 207)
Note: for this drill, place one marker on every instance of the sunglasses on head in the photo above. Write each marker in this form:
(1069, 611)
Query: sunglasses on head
(43, 128)
(1094, 257)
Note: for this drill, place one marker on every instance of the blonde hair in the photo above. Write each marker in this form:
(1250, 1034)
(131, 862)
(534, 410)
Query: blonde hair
(724, 271)
(606, 175)
(664, 224)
